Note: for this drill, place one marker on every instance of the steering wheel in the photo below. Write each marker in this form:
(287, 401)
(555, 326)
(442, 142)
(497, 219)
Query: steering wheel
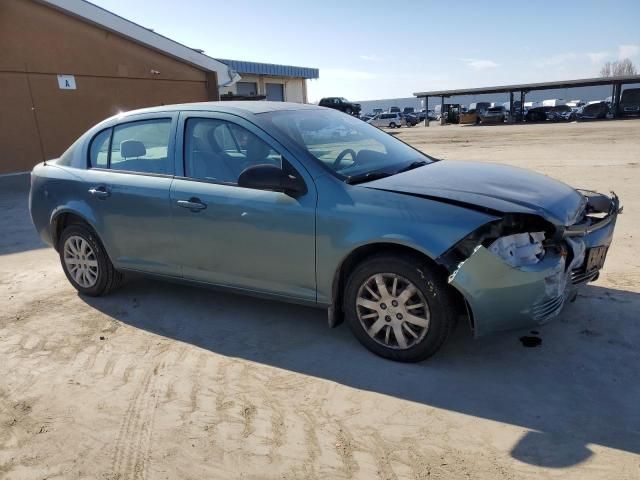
(343, 154)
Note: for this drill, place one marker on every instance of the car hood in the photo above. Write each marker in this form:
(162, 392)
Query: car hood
(500, 188)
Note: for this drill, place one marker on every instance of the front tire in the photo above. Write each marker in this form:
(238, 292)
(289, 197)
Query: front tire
(399, 308)
(86, 263)
(392, 125)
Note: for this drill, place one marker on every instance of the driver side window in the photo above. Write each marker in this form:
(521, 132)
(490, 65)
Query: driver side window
(219, 151)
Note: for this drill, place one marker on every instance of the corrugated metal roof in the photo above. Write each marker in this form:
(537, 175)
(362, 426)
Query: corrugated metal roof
(583, 82)
(255, 68)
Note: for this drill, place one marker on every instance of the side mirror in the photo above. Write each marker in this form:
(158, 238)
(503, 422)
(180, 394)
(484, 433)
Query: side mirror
(270, 177)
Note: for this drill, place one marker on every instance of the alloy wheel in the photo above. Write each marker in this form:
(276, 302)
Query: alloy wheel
(81, 261)
(393, 311)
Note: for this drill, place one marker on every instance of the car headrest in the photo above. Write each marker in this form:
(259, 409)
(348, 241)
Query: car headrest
(257, 150)
(132, 148)
(213, 142)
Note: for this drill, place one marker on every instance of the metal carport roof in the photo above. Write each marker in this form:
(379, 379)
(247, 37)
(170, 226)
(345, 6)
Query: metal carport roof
(528, 87)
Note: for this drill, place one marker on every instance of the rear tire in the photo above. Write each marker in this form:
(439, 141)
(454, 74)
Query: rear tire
(392, 125)
(394, 325)
(86, 263)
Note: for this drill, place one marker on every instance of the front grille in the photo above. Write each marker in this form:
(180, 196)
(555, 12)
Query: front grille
(546, 310)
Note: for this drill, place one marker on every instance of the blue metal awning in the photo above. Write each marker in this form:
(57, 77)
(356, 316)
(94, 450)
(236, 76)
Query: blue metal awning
(254, 68)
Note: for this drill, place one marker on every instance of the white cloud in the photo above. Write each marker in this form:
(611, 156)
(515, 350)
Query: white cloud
(371, 58)
(479, 64)
(598, 57)
(628, 51)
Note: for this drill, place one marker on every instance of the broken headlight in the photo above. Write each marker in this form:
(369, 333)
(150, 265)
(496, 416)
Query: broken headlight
(520, 249)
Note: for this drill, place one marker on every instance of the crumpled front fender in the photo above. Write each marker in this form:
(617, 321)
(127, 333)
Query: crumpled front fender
(502, 297)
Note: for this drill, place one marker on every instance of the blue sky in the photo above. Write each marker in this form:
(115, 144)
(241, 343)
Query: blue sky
(385, 49)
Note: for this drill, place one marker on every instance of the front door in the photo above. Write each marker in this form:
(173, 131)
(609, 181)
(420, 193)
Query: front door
(257, 240)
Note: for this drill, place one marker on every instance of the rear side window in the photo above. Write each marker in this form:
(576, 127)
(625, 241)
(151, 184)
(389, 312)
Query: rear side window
(141, 146)
(99, 150)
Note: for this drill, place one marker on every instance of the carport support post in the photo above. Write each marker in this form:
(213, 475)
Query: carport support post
(443, 119)
(522, 95)
(426, 110)
(511, 119)
(616, 100)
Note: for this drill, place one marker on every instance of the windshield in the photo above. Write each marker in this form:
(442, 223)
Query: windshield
(346, 145)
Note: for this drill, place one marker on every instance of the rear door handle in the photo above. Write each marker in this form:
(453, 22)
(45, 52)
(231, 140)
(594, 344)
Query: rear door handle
(193, 204)
(100, 192)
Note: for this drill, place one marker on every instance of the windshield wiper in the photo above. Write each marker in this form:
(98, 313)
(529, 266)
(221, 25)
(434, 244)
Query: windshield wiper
(412, 165)
(367, 177)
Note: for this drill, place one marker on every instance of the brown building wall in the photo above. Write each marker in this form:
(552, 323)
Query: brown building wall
(112, 74)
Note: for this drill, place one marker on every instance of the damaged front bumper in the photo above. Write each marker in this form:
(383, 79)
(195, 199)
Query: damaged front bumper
(502, 297)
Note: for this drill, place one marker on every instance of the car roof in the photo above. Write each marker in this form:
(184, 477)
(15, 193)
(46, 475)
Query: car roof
(244, 107)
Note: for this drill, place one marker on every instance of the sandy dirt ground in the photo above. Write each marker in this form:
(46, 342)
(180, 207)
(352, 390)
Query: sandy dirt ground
(162, 381)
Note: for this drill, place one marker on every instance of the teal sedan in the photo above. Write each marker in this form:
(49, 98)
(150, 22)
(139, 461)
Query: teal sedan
(309, 205)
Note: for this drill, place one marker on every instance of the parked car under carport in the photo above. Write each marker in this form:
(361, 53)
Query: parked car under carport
(593, 111)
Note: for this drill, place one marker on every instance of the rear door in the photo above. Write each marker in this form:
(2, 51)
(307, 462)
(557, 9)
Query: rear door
(257, 240)
(128, 183)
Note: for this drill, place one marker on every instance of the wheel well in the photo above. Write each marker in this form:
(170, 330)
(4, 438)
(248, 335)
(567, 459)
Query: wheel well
(366, 251)
(62, 221)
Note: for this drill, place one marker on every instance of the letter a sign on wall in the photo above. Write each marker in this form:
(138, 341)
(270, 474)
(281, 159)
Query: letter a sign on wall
(66, 82)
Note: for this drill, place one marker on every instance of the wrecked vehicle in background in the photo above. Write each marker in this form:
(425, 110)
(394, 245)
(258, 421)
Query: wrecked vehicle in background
(561, 113)
(473, 114)
(498, 114)
(537, 114)
(593, 111)
(265, 198)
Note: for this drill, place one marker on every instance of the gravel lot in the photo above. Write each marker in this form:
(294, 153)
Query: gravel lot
(166, 381)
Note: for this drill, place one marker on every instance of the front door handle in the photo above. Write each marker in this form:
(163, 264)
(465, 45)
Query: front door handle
(100, 192)
(193, 204)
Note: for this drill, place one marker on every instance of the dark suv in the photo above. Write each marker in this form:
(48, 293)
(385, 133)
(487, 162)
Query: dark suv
(342, 104)
(630, 103)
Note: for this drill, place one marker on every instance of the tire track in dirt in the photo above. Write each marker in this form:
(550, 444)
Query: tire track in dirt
(133, 445)
(382, 458)
(195, 383)
(122, 449)
(248, 413)
(278, 430)
(345, 445)
(221, 407)
(312, 443)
